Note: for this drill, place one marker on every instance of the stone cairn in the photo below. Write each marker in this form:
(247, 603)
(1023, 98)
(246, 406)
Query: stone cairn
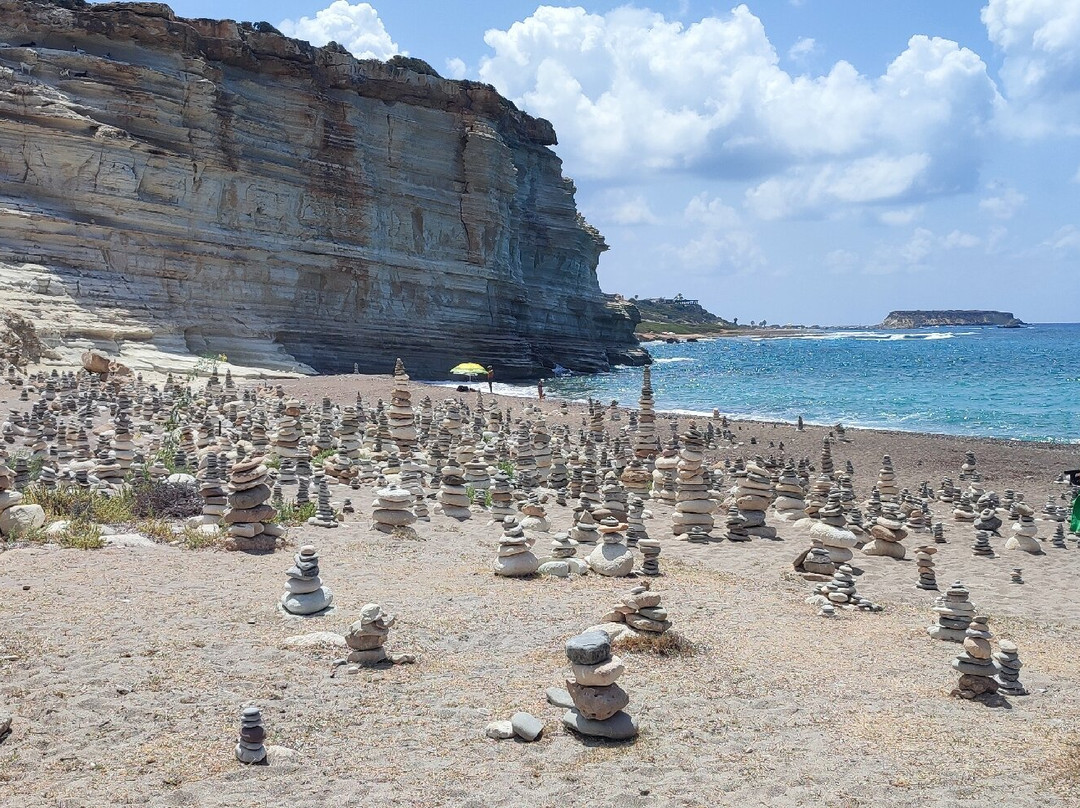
(693, 504)
(954, 613)
(453, 495)
(248, 515)
(304, 590)
(924, 560)
(635, 521)
(400, 413)
(584, 530)
(887, 531)
(391, 511)
(988, 520)
(816, 564)
(367, 637)
(665, 467)
(598, 700)
(974, 662)
(324, 513)
(502, 497)
(753, 495)
(1017, 576)
(642, 611)
(16, 518)
(982, 547)
(939, 533)
(1008, 664)
(514, 557)
(563, 563)
(215, 500)
(1025, 535)
(841, 590)
(1058, 540)
(790, 499)
(611, 558)
(249, 746)
(968, 471)
(650, 556)
(533, 515)
(886, 483)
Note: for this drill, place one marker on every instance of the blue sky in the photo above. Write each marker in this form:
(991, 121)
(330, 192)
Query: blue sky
(808, 161)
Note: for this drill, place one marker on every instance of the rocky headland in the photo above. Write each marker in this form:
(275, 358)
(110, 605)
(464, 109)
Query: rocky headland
(174, 188)
(930, 319)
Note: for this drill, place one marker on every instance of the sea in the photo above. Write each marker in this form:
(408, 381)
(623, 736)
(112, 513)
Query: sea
(1020, 384)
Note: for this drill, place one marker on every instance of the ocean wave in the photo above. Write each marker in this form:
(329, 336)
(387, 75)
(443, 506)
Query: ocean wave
(668, 359)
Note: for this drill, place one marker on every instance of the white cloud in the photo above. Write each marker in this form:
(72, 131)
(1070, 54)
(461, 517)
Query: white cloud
(356, 27)
(1041, 67)
(898, 217)
(632, 211)
(840, 262)
(631, 88)
(721, 241)
(960, 240)
(1003, 203)
(1066, 239)
(455, 68)
(803, 47)
(1076, 176)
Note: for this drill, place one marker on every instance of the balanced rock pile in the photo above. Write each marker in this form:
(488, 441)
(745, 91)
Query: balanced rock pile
(1025, 535)
(15, 518)
(515, 558)
(562, 563)
(753, 495)
(954, 612)
(249, 746)
(1007, 661)
(304, 590)
(391, 511)
(366, 639)
(641, 610)
(598, 700)
(841, 590)
(924, 559)
(887, 531)
(693, 505)
(790, 497)
(974, 664)
(248, 515)
(611, 557)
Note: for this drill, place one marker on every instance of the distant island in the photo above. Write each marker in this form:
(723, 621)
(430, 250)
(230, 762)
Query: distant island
(681, 319)
(929, 319)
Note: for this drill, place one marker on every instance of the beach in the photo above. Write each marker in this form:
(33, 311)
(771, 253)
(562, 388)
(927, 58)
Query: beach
(125, 669)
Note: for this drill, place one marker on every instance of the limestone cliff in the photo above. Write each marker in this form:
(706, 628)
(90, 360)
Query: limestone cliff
(927, 319)
(175, 185)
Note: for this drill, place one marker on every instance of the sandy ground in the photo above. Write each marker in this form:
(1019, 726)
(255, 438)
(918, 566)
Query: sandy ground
(126, 668)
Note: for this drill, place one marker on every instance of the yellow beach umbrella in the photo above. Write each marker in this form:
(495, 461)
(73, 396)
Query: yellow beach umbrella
(468, 369)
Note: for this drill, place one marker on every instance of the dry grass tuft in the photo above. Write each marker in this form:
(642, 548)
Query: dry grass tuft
(668, 644)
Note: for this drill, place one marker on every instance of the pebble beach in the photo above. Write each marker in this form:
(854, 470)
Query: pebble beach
(125, 668)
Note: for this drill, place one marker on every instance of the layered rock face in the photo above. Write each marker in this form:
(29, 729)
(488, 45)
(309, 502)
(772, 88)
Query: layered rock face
(927, 319)
(210, 187)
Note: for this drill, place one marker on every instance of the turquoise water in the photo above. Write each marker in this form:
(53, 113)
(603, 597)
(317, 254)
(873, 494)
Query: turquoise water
(1022, 384)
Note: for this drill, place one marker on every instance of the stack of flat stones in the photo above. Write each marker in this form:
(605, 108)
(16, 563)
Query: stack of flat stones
(642, 611)
(982, 547)
(611, 558)
(968, 471)
(736, 526)
(514, 557)
(887, 531)
(974, 663)
(533, 515)
(790, 499)
(584, 529)
(954, 613)
(1025, 535)
(324, 514)
(816, 564)
(248, 515)
(1058, 540)
(249, 746)
(1008, 664)
(502, 497)
(636, 479)
(886, 483)
(453, 495)
(665, 468)
(924, 560)
(964, 510)
(562, 562)
(650, 556)
(598, 700)
(304, 590)
(213, 495)
(400, 413)
(693, 505)
(366, 639)
(753, 495)
(635, 524)
(841, 590)
(988, 520)
(391, 510)
(939, 533)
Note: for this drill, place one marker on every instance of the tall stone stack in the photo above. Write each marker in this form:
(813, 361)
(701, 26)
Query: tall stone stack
(249, 746)
(249, 516)
(974, 663)
(790, 499)
(502, 497)
(453, 494)
(392, 510)
(598, 700)
(614, 497)
(886, 482)
(693, 505)
(1007, 663)
(285, 440)
(827, 467)
(924, 559)
(400, 413)
(887, 531)
(968, 470)
(525, 476)
(215, 500)
(541, 446)
(753, 495)
(645, 442)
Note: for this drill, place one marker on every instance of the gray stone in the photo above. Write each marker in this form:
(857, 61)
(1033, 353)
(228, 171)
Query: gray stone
(309, 603)
(558, 697)
(588, 648)
(527, 727)
(620, 727)
(19, 519)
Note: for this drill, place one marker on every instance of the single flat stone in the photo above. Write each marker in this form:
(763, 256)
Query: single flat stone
(499, 730)
(558, 697)
(588, 648)
(620, 727)
(527, 727)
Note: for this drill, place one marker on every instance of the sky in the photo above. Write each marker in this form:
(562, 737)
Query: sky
(794, 161)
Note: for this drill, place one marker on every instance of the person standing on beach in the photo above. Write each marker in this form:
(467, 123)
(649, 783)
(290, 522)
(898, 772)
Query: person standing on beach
(491, 377)
(540, 389)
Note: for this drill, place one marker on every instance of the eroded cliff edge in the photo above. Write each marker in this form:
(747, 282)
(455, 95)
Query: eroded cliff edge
(175, 185)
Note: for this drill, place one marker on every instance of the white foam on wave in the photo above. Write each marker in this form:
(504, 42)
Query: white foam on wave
(669, 359)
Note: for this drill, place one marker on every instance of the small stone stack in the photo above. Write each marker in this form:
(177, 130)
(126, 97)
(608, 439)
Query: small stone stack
(1025, 535)
(614, 497)
(453, 495)
(964, 510)
(954, 612)
(1058, 540)
(502, 497)
(736, 525)
(650, 556)
(982, 547)
(974, 663)
(636, 479)
(533, 515)
(304, 590)
(939, 533)
(400, 413)
(367, 637)
(515, 558)
(249, 746)
(324, 513)
(584, 529)
(641, 610)
(1007, 663)
(753, 495)
(988, 520)
(598, 700)
(248, 515)
(887, 531)
(635, 523)
(790, 499)
(968, 471)
(1017, 575)
(816, 564)
(611, 558)
(391, 510)
(693, 505)
(562, 562)
(827, 467)
(841, 589)
(924, 559)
